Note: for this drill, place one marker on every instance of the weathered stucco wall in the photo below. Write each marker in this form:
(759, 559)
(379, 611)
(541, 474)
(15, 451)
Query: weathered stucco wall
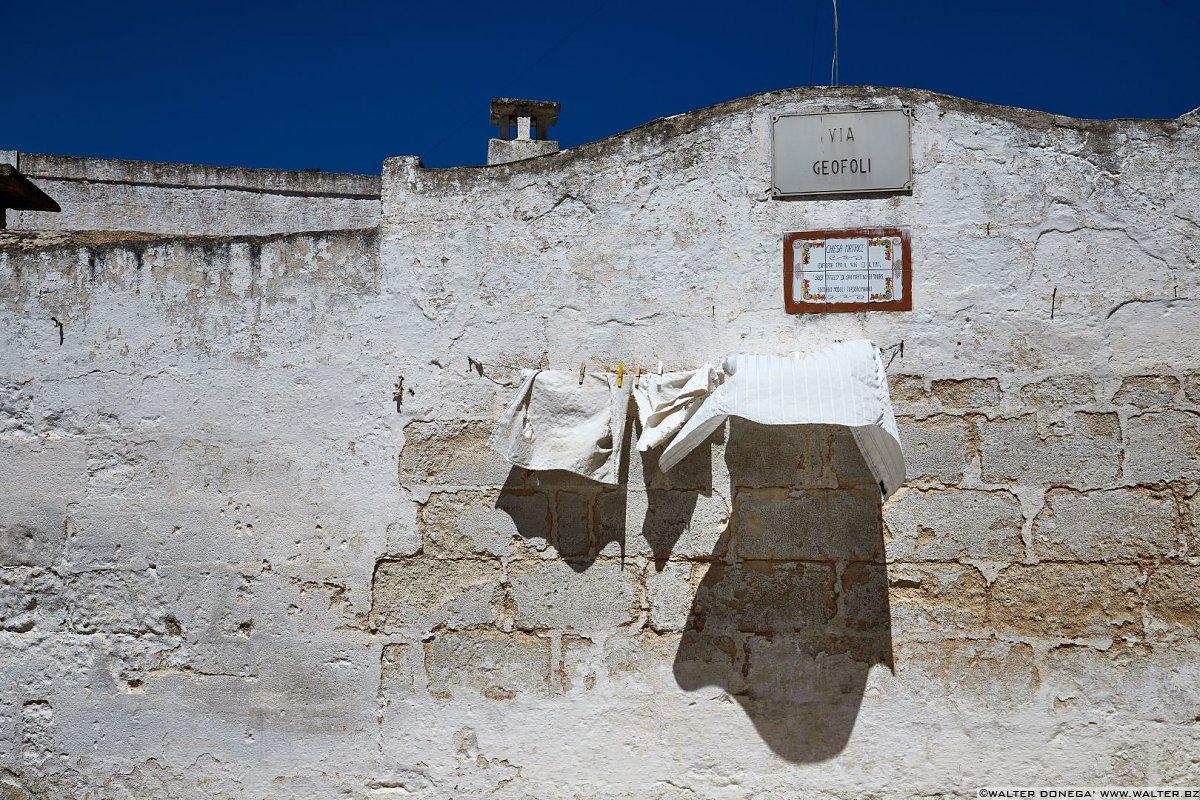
(237, 562)
(111, 195)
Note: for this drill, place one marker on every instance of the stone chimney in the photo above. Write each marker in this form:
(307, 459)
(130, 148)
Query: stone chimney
(531, 119)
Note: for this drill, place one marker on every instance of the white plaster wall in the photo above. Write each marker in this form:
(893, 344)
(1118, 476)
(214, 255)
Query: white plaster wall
(113, 195)
(233, 565)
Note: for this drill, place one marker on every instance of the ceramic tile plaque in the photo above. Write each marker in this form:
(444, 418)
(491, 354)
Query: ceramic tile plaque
(864, 269)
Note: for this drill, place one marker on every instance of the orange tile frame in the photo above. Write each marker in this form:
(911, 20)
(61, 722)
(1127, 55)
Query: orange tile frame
(793, 306)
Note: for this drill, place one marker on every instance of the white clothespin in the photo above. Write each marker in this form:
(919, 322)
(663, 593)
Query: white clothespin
(659, 374)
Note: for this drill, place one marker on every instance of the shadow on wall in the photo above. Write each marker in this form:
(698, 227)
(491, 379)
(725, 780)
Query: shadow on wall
(790, 623)
(792, 610)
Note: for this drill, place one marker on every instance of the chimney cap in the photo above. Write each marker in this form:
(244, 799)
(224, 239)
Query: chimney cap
(504, 108)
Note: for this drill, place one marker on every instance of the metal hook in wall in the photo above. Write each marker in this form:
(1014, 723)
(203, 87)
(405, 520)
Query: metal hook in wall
(896, 350)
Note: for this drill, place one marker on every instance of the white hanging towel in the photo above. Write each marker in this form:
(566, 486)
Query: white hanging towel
(844, 384)
(556, 423)
(666, 402)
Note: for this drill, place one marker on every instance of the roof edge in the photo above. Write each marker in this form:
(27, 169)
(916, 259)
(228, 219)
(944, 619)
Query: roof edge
(838, 97)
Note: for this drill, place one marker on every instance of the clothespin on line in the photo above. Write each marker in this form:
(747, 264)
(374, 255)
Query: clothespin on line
(620, 373)
(582, 369)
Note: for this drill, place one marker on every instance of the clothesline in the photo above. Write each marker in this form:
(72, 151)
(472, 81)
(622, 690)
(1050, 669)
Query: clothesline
(478, 364)
(575, 421)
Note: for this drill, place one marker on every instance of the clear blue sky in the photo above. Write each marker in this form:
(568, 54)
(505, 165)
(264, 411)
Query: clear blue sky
(341, 86)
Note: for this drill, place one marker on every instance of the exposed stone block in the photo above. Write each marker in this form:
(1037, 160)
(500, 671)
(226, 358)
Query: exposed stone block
(998, 674)
(818, 524)
(1060, 391)
(1162, 446)
(573, 525)
(1173, 599)
(936, 600)
(464, 524)
(1191, 386)
(1066, 600)
(694, 472)
(427, 593)
(451, 454)
(670, 596)
(1113, 525)
(863, 599)
(38, 544)
(803, 673)
(1088, 455)
(764, 597)
(395, 669)
(712, 658)
(803, 692)
(38, 478)
(577, 669)
(9, 790)
(967, 393)
(779, 455)
(529, 515)
(935, 448)
(18, 602)
(642, 659)
(553, 595)
(498, 666)
(613, 514)
(907, 390)
(1147, 391)
(676, 524)
(112, 601)
(947, 525)
(1191, 523)
(113, 531)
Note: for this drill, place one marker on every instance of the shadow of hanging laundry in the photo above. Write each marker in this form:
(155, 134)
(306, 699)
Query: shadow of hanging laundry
(671, 497)
(793, 612)
(586, 518)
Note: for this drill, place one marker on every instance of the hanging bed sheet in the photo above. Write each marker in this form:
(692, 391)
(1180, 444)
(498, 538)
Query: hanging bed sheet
(843, 384)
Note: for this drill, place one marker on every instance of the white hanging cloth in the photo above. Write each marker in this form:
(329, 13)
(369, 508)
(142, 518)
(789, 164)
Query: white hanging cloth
(554, 422)
(843, 384)
(666, 402)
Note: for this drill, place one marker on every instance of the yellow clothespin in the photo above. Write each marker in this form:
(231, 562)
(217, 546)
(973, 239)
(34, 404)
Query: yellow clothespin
(620, 373)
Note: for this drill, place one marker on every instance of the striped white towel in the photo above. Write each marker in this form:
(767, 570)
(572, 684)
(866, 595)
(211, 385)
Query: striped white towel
(844, 384)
